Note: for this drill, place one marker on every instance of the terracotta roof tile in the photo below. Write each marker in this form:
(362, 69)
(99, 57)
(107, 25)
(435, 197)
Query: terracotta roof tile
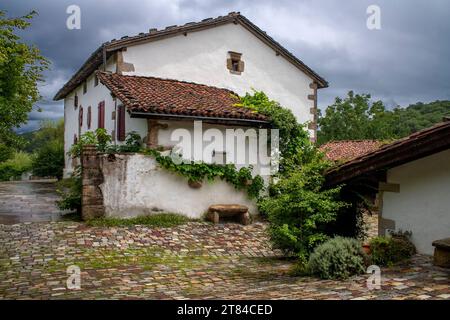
(345, 150)
(173, 97)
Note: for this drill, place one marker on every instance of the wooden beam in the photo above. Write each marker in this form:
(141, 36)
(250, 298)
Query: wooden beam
(389, 187)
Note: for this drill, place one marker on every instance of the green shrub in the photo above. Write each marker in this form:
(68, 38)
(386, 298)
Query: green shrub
(299, 210)
(70, 192)
(387, 251)
(15, 167)
(338, 258)
(5, 152)
(49, 160)
(164, 220)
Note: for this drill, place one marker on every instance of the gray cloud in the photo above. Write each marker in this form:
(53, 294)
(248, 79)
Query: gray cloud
(404, 62)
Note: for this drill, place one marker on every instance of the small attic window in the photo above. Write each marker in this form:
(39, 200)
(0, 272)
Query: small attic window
(235, 63)
(95, 80)
(84, 87)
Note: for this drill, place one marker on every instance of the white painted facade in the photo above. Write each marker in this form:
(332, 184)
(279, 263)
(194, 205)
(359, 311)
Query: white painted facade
(423, 203)
(135, 185)
(199, 57)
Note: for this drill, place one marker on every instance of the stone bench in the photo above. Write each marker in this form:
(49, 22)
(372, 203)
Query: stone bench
(442, 253)
(228, 210)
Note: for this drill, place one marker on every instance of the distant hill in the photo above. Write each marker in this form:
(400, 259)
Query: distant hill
(419, 116)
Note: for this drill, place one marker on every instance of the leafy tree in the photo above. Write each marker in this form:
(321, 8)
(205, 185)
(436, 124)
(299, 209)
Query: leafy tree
(21, 68)
(356, 117)
(48, 145)
(49, 131)
(49, 160)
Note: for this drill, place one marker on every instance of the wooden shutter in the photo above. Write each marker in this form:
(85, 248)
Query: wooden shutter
(121, 123)
(89, 117)
(80, 117)
(101, 114)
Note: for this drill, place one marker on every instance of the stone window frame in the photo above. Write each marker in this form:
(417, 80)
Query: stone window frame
(234, 62)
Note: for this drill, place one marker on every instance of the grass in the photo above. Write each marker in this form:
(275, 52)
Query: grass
(161, 220)
(146, 258)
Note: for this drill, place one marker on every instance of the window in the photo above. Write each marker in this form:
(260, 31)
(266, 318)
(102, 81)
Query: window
(121, 123)
(84, 87)
(95, 80)
(101, 114)
(235, 63)
(80, 117)
(75, 102)
(89, 117)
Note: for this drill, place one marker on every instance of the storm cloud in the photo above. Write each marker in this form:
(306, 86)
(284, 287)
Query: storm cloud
(404, 62)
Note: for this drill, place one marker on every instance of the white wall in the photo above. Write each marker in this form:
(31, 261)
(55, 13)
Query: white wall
(201, 57)
(93, 96)
(134, 185)
(423, 203)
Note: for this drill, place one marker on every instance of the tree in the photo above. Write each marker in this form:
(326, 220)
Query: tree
(49, 142)
(356, 117)
(21, 68)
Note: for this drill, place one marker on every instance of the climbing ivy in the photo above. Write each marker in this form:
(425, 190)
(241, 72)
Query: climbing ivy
(295, 146)
(241, 179)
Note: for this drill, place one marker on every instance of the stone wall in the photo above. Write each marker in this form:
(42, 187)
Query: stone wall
(92, 178)
(129, 185)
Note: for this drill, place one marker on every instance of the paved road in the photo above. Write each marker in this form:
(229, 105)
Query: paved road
(28, 201)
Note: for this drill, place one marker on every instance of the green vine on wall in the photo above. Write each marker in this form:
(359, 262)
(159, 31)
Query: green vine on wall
(241, 179)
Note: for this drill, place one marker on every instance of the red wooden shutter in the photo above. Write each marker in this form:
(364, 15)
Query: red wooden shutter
(80, 116)
(121, 124)
(89, 117)
(101, 114)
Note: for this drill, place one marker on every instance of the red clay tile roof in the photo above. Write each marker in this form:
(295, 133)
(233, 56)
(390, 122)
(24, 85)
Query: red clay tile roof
(107, 49)
(418, 145)
(345, 150)
(173, 97)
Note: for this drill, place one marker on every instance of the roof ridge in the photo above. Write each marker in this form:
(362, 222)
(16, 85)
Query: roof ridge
(110, 47)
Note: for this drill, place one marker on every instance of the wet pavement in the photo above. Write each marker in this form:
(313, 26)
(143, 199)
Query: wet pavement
(191, 261)
(28, 201)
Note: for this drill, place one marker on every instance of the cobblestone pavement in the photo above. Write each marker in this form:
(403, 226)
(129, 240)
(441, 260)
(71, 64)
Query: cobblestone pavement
(197, 260)
(27, 201)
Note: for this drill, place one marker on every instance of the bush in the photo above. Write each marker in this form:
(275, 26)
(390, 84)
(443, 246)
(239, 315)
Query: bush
(15, 167)
(49, 160)
(299, 211)
(338, 258)
(70, 192)
(387, 251)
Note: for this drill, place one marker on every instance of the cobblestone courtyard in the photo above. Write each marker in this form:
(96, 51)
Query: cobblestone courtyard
(196, 260)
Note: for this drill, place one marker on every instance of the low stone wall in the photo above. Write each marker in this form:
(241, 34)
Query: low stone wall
(128, 185)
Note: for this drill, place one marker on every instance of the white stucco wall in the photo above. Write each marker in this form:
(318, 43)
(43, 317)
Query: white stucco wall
(93, 96)
(423, 203)
(135, 185)
(198, 57)
(201, 57)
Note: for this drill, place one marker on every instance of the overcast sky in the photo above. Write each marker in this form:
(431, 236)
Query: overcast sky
(405, 62)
